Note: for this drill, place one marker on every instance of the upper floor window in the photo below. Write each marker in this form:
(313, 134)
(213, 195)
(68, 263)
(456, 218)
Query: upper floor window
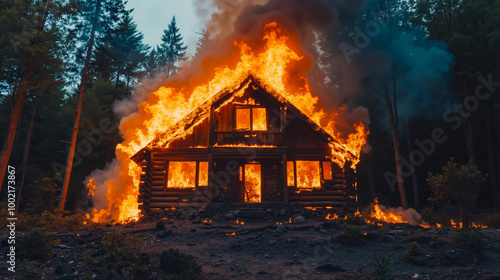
(252, 118)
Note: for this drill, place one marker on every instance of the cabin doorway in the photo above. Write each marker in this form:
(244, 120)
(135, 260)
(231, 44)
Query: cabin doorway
(251, 183)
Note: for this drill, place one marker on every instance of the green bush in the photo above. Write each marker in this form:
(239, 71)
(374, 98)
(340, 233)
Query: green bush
(179, 266)
(430, 217)
(121, 257)
(458, 183)
(352, 231)
(470, 239)
(434, 243)
(414, 249)
(493, 220)
(381, 264)
(49, 221)
(35, 245)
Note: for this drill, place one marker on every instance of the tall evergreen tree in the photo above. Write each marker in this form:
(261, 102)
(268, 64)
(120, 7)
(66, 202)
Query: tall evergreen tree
(29, 37)
(150, 64)
(127, 50)
(110, 14)
(172, 49)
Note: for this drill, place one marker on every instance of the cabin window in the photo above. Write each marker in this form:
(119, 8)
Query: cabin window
(308, 174)
(243, 119)
(203, 173)
(259, 119)
(327, 170)
(254, 118)
(290, 174)
(182, 174)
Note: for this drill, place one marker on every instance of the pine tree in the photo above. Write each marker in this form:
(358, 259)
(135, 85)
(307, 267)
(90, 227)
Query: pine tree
(110, 14)
(151, 63)
(172, 49)
(127, 50)
(204, 43)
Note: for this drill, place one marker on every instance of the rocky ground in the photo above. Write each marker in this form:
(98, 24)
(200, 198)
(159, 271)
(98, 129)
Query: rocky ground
(286, 245)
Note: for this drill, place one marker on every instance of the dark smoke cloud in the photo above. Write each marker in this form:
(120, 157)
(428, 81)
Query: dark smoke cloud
(307, 23)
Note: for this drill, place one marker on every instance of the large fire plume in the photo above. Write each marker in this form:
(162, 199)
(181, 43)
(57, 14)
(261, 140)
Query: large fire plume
(116, 190)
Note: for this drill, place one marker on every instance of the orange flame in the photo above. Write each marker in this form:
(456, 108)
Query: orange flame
(91, 187)
(238, 222)
(181, 174)
(168, 105)
(332, 217)
(379, 215)
(308, 175)
(253, 192)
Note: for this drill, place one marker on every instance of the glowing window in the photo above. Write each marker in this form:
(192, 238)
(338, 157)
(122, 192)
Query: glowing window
(327, 170)
(243, 119)
(181, 174)
(253, 188)
(290, 173)
(251, 119)
(203, 173)
(308, 175)
(259, 119)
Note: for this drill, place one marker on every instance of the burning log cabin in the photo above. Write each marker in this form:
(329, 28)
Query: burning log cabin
(247, 145)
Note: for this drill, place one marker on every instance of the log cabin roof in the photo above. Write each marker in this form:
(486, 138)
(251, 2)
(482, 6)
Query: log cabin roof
(202, 112)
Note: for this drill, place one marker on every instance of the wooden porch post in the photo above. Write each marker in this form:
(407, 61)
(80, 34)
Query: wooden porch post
(284, 179)
(211, 175)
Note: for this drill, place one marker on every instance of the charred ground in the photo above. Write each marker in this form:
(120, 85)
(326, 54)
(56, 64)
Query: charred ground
(287, 243)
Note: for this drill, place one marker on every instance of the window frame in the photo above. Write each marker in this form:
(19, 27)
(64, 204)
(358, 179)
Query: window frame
(196, 177)
(251, 107)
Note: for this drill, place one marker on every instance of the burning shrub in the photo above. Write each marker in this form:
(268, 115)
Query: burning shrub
(355, 219)
(121, 257)
(414, 249)
(179, 265)
(35, 245)
(470, 239)
(493, 220)
(381, 264)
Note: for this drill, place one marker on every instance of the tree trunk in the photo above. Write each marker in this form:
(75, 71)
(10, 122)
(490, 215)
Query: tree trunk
(371, 181)
(463, 214)
(490, 138)
(25, 156)
(71, 153)
(14, 118)
(416, 198)
(117, 78)
(469, 141)
(395, 140)
(19, 100)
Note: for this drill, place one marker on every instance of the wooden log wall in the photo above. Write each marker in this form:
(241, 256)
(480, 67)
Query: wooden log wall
(350, 190)
(145, 183)
(159, 197)
(332, 194)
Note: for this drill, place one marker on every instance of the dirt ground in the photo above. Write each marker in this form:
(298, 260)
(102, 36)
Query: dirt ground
(273, 248)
